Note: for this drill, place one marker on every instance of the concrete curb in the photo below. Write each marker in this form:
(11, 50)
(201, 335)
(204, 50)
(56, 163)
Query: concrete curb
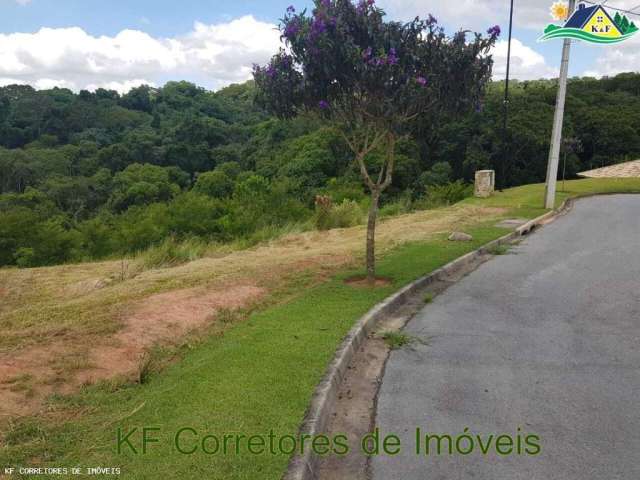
(303, 467)
(542, 219)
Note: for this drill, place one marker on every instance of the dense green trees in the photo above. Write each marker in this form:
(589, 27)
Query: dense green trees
(96, 174)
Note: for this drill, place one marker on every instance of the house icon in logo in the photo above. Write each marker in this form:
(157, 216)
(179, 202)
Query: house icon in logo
(593, 24)
(594, 20)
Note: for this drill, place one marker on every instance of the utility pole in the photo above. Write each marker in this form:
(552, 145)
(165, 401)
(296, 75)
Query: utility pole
(556, 134)
(502, 180)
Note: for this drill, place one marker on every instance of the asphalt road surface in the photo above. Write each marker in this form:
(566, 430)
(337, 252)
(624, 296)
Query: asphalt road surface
(546, 339)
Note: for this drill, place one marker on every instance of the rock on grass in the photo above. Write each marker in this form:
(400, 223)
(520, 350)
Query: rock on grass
(460, 237)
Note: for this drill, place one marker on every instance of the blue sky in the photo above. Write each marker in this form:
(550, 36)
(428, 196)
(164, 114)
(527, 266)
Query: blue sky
(157, 17)
(214, 42)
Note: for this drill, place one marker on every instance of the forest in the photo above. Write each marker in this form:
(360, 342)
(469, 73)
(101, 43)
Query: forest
(96, 175)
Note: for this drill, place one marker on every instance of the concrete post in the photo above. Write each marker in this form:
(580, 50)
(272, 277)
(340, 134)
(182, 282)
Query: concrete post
(556, 135)
(485, 183)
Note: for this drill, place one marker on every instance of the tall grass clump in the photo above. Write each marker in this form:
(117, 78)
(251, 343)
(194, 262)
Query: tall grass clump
(343, 215)
(397, 207)
(172, 252)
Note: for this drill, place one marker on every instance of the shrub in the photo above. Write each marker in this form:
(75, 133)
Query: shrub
(194, 214)
(24, 257)
(346, 214)
(343, 188)
(399, 207)
(141, 226)
(441, 195)
(258, 203)
(171, 252)
(440, 174)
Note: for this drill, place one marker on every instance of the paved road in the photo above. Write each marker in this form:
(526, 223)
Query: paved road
(546, 338)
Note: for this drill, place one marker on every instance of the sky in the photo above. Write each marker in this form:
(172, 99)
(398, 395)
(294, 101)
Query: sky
(118, 44)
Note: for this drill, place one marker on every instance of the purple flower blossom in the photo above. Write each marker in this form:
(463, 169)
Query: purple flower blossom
(494, 31)
(325, 3)
(292, 29)
(291, 9)
(371, 2)
(421, 81)
(318, 27)
(323, 104)
(271, 71)
(392, 58)
(286, 61)
(431, 20)
(367, 54)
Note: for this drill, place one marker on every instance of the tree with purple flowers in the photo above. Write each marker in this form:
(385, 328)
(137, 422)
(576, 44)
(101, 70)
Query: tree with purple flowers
(372, 79)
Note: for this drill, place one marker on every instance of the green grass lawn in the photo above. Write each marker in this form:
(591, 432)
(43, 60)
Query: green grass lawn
(256, 377)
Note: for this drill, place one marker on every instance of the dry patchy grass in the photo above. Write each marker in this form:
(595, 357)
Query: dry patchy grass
(122, 310)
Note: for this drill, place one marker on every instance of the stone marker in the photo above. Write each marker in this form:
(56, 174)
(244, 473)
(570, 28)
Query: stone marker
(485, 183)
(460, 237)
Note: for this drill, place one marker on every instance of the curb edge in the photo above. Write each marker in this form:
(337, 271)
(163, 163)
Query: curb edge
(316, 419)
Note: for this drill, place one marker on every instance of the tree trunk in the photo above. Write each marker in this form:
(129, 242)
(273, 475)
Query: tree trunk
(371, 237)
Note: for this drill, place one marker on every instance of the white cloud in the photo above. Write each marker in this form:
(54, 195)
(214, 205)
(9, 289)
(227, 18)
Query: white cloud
(23, 2)
(216, 54)
(475, 14)
(122, 87)
(619, 58)
(47, 83)
(11, 81)
(526, 63)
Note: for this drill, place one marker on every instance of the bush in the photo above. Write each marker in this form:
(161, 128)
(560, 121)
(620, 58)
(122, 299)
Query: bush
(25, 257)
(193, 214)
(258, 203)
(141, 226)
(340, 189)
(346, 214)
(440, 174)
(399, 207)
(442, 195)
(450, 193)
(171, 252)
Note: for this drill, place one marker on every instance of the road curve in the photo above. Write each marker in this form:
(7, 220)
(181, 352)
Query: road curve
(545, 339)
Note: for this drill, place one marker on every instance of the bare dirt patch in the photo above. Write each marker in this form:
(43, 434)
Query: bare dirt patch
(163, 319)
(29, 375)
